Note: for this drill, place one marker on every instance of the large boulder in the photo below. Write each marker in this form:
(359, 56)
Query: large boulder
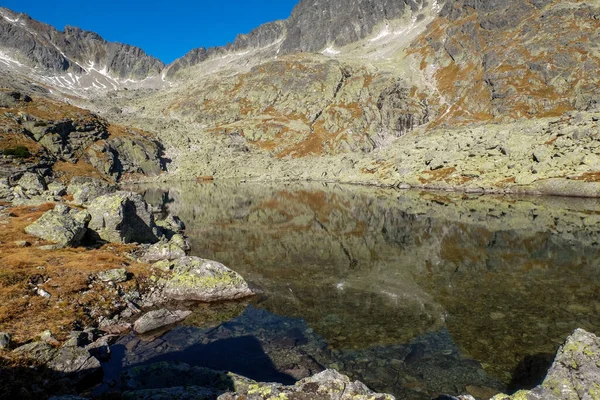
(85, 190)
(158, 318)
(122, 217)
(193, 278)
(574, 375)
(76, 363)
(61, 225)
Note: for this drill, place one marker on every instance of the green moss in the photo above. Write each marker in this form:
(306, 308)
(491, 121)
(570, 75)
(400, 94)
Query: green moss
(18, 151)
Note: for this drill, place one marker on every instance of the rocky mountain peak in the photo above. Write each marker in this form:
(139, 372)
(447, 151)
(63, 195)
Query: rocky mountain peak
(27, 43)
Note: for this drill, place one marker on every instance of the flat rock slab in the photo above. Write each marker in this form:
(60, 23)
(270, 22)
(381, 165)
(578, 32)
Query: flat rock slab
(157, 319)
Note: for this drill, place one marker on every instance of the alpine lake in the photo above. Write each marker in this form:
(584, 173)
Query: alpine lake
(414, 293)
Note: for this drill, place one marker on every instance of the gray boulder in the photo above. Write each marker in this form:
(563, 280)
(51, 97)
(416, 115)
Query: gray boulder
(57, 189)
(193, 278)
(5, 340)
(173, 249)
(85, 190)
(62, 226)
(77, 363)
(41, 352)
(122, 217)
(171, 223)
(575, 373)
(32, 184)
(113, 275)
(157, 319)
(167, 380)
(326, 385)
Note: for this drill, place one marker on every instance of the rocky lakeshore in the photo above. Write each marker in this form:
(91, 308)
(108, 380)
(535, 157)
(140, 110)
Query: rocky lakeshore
(112, 291)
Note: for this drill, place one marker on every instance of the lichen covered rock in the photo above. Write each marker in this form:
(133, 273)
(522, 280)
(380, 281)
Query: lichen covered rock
(193, 278)
(122, 217)
(62, 226)
(574, 375)
(173, 249)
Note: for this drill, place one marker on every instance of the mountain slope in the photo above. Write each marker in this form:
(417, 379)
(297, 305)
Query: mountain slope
(72, 59)
(483, 96)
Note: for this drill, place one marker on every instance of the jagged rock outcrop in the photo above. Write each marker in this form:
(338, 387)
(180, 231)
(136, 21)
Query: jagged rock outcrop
(73, 50)
(314, 25)
(178, 380)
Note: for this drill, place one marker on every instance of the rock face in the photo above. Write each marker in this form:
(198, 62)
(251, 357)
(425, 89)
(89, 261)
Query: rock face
(72, 50)
(193, 278)
(62, 226)
(312, 27)
(157, 319)
(129, 154)
(122, 217)
(575, 373)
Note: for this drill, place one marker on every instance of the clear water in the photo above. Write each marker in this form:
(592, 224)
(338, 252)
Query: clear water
(414, 293)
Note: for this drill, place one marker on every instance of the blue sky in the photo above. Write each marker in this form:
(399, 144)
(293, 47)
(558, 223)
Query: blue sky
(165, 29)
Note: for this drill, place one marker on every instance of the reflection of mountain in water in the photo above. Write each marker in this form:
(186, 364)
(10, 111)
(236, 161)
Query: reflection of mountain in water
(367, 267)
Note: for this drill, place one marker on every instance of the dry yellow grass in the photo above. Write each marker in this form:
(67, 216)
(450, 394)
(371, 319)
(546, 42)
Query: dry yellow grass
(65, 273)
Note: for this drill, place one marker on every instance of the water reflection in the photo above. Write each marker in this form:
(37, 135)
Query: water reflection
(504, 280)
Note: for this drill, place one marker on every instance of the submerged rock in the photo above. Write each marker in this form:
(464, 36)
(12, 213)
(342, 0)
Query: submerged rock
(157, 319)
(575, 373)
(193, 278)
(122, 217)
(62, 226)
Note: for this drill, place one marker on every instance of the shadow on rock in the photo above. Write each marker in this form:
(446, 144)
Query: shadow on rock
(530, 372)
(241, 355)
(25, 380)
